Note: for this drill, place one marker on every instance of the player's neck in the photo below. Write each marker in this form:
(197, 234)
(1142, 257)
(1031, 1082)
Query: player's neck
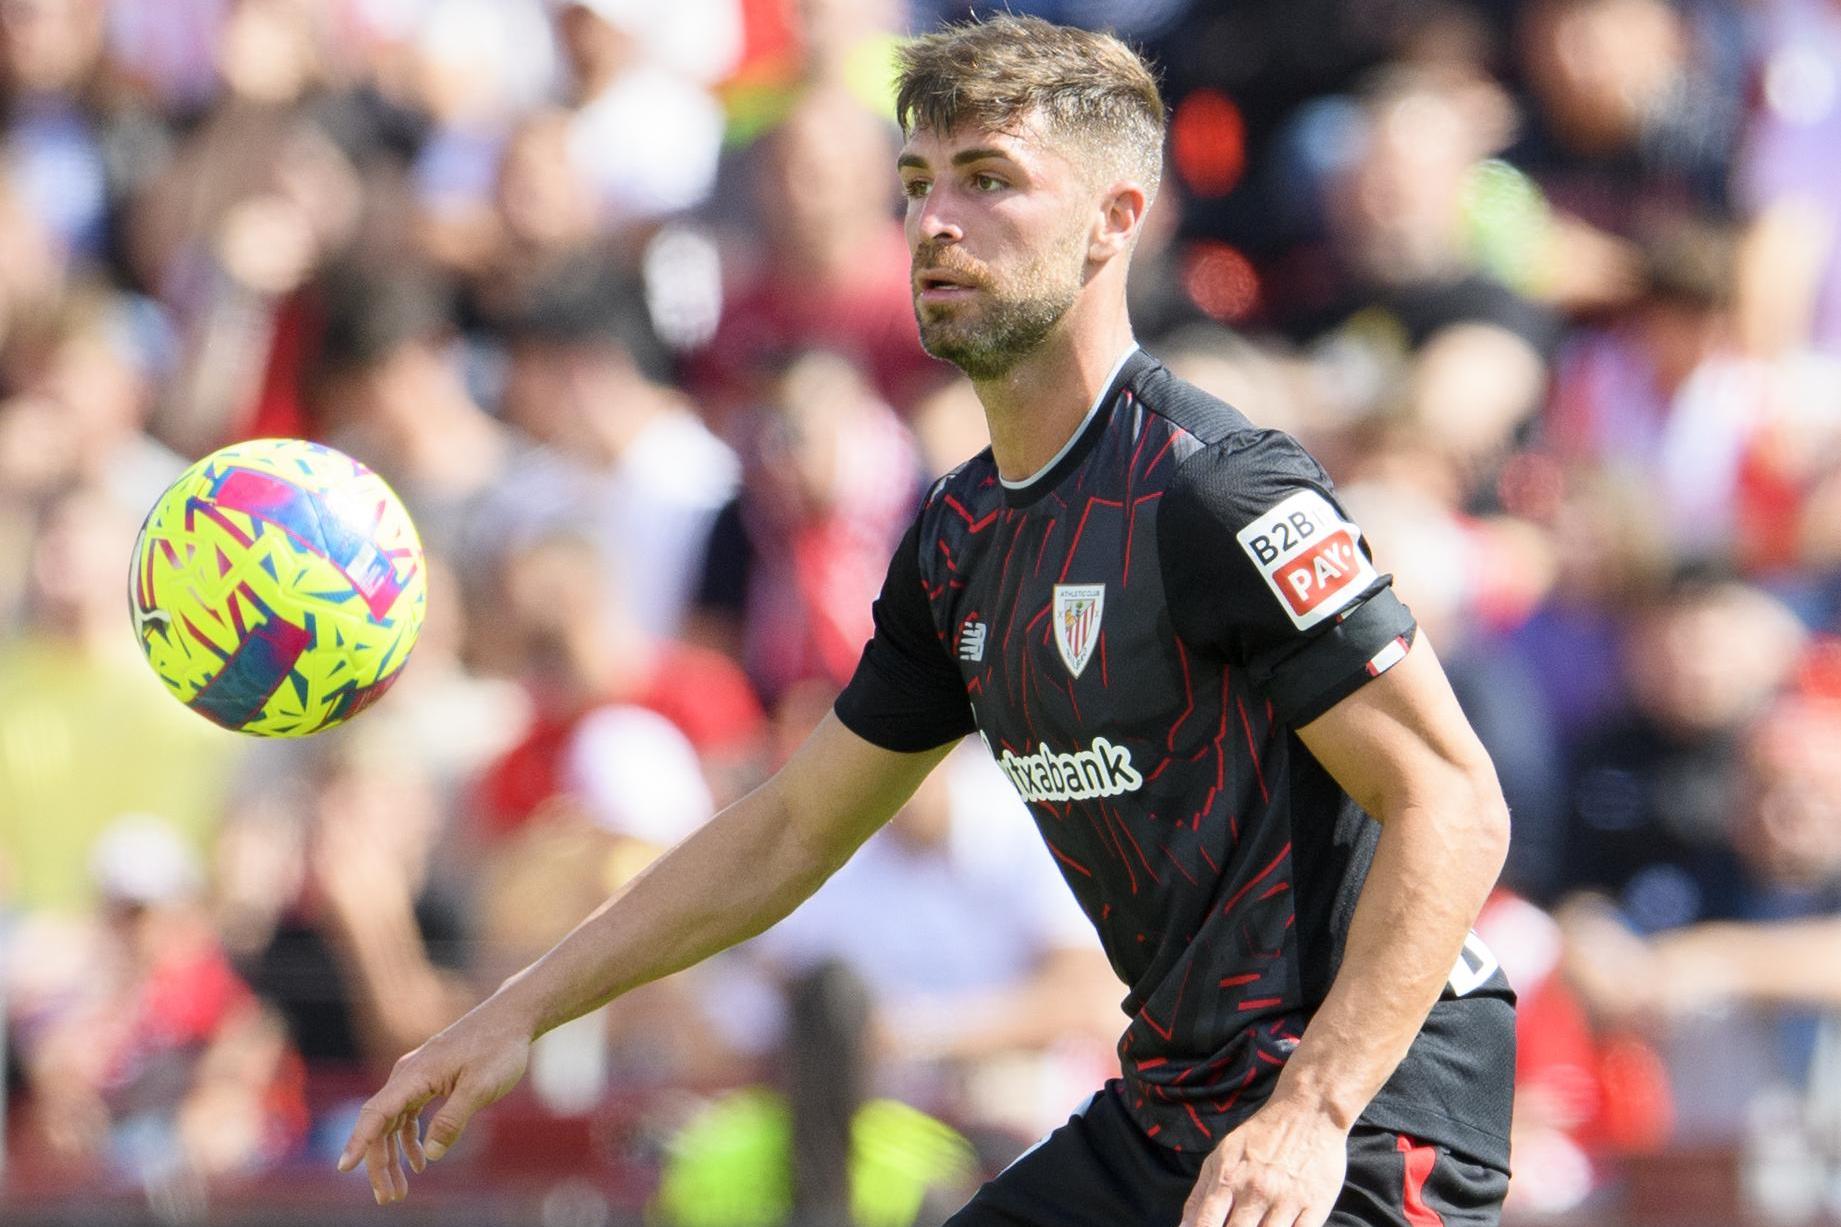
(1034, 408)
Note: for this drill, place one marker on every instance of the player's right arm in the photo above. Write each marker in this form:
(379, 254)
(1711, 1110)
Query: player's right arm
(748, 867)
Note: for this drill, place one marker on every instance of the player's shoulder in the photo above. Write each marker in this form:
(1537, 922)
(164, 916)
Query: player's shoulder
(1162, 393)
(1228, 447)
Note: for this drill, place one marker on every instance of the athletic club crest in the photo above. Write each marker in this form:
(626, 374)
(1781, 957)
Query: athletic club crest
(1077, 614)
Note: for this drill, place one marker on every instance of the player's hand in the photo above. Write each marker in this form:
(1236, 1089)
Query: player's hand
(1283, 1167)
(471, 1064)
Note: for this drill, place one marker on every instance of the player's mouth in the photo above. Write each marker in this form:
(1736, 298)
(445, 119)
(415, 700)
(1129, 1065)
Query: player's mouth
(938, 285)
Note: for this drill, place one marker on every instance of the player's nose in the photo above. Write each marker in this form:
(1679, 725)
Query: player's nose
(936, 225)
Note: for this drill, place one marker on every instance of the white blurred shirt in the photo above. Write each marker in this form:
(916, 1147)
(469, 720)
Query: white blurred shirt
(978, 913)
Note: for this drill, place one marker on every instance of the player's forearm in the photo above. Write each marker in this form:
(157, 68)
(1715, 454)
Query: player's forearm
(1438, 857)
(744, 870)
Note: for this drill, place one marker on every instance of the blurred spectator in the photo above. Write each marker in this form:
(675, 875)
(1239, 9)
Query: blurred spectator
(1735, 999)
(831, 481)
(324, 882)
(600, 783)
(1789, 179)
(54, 151)
(391, 391)
(254, 201)
(541, 223)
(1607, 543)
(85, 374)
(828, 266)
(645, 135)
(31, 267)
(1418, 325)
(624, 458)
(624, 722)
(1664, 395)
(1636, 111)
(1586, 1094)
(1729, 445)
(151, 1056)
(79, 698)
(169, 50)
(476, 66)
(1652, 791)
(451, 718)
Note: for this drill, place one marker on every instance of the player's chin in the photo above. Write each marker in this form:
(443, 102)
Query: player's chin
(954, 345)
(942, 310)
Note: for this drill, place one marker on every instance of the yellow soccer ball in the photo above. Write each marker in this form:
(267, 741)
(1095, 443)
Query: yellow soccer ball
(278, 587)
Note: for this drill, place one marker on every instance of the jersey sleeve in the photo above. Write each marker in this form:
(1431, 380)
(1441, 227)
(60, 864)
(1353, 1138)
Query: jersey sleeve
(1261, 565)
(906, 693)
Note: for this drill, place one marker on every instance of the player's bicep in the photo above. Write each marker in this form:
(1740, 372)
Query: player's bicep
(1402, 739)
(838, 788)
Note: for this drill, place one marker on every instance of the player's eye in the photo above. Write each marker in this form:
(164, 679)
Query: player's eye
(915, 188)
(986, 182)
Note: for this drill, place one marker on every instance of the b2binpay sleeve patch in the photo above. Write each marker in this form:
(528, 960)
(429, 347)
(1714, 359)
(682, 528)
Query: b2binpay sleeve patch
(1310, 557)
(1261, 565)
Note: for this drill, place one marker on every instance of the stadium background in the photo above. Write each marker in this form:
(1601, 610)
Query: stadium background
(614, 294)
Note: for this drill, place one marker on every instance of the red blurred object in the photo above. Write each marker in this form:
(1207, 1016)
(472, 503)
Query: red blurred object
(280, 410)
(1532, 485)
(1607, 1091)
(701, 691)
(1208, 143)
(1770, 503)
(1818, 675)
(1221, 281)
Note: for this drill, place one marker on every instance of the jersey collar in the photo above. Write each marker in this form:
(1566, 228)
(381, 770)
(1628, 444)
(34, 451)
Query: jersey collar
(1029, 489)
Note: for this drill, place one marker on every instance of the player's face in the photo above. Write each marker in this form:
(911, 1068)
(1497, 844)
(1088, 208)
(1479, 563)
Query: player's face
(997, 226)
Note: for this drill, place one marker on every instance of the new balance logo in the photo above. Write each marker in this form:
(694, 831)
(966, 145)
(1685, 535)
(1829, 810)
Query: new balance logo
(971, 640)
(1103, 771)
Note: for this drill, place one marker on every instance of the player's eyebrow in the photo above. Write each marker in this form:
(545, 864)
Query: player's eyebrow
(962, 158)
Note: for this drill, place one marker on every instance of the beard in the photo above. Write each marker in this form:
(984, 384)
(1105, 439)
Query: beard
(1005, 323)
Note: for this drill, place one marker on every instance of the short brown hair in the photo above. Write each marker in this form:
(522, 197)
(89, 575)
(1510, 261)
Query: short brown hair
(994, 74)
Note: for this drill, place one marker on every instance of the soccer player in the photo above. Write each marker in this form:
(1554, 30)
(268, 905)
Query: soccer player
(1247, 764)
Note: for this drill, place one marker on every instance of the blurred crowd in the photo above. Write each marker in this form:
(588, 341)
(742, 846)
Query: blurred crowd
(615, 295)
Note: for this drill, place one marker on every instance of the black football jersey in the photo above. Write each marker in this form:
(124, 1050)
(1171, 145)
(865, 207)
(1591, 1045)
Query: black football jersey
(1135, 632)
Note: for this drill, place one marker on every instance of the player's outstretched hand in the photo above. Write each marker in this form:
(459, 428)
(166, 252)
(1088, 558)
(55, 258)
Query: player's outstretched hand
(472, 1063)
(1283, 1167)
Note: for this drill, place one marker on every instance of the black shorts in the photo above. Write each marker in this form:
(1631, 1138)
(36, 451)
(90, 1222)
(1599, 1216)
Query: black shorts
(1100, 1170)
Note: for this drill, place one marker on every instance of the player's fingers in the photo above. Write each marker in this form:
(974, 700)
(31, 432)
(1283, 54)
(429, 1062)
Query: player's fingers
(372, 1122)
(405, 1093)
(1208, 1209)
(377, 1170)
(399, 1179)
(410, 1135)
(1282, 1214)
(451, 1120)
(1316, 1216)
(1246, 1213)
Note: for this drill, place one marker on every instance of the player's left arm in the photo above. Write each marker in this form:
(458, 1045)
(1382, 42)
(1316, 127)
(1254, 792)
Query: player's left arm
(1402, 748)
(1261, 565)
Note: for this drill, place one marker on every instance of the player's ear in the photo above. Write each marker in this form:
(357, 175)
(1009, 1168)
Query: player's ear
(1121, 214)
